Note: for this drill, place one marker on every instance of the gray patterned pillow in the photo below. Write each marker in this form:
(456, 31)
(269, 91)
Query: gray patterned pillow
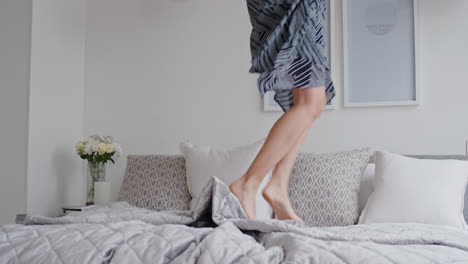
(156, 182)
(323, 187)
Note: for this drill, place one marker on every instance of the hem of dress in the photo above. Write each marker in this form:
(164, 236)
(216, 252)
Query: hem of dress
(330, 96)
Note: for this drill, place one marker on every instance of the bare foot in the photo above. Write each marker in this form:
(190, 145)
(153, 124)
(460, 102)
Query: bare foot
(246, 193)
(279, 201)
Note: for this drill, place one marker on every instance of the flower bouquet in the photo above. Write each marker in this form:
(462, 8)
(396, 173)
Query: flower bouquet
(97, 150)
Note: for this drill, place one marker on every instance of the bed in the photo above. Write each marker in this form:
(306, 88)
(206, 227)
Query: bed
(216, 230)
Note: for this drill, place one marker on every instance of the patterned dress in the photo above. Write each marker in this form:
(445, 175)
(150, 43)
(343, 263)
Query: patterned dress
(288, 47)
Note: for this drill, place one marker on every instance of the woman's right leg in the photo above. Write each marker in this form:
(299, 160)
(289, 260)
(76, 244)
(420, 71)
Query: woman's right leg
(284, 134)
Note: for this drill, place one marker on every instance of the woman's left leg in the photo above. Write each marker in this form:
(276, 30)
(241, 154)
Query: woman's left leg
(276, 191)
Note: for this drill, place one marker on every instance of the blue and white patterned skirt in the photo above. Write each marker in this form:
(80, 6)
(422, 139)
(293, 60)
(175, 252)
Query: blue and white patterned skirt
(288, 47)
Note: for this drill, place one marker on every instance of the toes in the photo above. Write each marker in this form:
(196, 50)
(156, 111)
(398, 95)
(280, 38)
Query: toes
(283, 210)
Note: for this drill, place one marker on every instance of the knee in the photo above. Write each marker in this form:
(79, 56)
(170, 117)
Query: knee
(312, 101)
(312, 110)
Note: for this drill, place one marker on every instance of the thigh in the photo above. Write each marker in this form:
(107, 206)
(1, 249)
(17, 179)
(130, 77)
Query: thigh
(310, 96)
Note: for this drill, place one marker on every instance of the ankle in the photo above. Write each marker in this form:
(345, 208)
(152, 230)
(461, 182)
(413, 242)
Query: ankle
(276, 191)
(277, 185)
(252, 182)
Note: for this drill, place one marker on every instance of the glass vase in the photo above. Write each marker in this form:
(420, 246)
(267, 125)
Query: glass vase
(96, 173)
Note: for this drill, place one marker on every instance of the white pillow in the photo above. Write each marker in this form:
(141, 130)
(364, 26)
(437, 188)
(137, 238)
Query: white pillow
(365, 186)
(417, 190)
(203, 162)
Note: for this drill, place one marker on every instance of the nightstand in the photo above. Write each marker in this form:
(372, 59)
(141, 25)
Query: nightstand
(72, 208)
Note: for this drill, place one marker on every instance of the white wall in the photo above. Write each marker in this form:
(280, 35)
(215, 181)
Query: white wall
(15, 45)
(158, 72)
(56, 105)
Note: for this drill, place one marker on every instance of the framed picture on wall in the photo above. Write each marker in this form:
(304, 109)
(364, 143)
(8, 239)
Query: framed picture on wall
(269, 104)
(380, 49)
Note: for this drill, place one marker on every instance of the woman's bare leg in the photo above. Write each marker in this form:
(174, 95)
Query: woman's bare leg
(308, 105)
(276, 191)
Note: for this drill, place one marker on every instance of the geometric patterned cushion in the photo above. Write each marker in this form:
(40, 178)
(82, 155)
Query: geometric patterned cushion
(156, 182)
(323, 187)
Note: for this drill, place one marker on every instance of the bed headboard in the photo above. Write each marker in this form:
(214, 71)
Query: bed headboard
(442, 157)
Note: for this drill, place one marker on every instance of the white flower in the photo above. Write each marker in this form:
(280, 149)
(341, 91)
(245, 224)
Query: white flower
(118, 151)
(87, 150)
(93, 145)
(96, 146)
(110, 148)
(102, 148)
(96, 137)
(79, 146)
(108, 140)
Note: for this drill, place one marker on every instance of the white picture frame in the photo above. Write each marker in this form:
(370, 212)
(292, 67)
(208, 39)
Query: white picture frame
(269, 104)
(348, 88)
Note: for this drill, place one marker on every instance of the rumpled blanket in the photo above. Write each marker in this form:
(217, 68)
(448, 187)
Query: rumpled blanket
(217, 231)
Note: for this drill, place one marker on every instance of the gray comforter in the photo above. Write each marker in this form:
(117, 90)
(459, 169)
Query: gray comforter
(120, 233)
